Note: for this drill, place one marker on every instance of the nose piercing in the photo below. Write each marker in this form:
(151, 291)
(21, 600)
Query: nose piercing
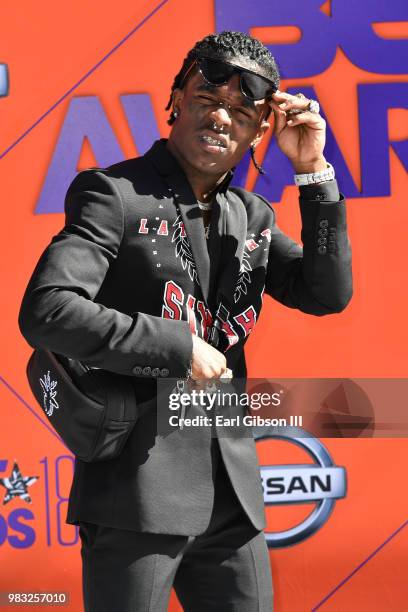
(216, 128)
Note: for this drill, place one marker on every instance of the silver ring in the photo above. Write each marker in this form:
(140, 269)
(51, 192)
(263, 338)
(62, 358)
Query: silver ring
(314, 106)
(226, 376)
(297, 111)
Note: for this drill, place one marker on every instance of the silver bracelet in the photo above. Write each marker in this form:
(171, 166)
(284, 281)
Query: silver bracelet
(315, 177)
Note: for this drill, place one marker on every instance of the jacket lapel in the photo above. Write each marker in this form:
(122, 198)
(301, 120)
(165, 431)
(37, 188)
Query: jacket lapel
(234, 232)
(179, 187)
(193, 223)
(218, 276)
(215, 247)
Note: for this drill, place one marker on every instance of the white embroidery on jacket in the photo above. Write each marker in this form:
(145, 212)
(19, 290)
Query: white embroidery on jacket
(183, 248)
(49, 401)
(244, 277)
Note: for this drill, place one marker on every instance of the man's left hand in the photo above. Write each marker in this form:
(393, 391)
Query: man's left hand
(301, 137)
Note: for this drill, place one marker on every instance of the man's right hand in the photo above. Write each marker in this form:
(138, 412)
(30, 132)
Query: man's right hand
(207, 362)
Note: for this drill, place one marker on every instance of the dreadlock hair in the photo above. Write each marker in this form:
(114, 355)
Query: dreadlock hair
(230, 44)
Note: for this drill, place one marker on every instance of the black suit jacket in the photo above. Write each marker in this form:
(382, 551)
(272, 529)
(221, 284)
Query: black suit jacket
(125, 283)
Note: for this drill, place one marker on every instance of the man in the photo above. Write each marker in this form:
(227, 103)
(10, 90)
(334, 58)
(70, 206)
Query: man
(160, 271)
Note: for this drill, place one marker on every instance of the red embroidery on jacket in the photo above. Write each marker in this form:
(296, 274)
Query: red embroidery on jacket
(198, 316)
(206, 319)
(231, 334)
(163, 228)
(142, 227)
(247, 319)
(190, 314)
(251, 245)
(173, 301)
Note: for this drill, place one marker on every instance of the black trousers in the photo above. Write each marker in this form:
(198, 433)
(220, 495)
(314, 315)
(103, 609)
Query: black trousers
(225, 569)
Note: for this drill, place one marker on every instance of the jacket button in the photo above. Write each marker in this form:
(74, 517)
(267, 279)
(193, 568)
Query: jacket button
(323, 232)
(156, 372)
(146, 371)
(322, 241)
(321, 249)
(324, 223)
(137, 370)
(164, 372)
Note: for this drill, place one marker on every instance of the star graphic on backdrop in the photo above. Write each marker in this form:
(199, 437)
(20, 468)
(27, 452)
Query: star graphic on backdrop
(16, 485)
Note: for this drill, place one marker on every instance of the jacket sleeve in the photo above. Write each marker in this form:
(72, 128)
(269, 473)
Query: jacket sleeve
(58, 311)
(316, 279)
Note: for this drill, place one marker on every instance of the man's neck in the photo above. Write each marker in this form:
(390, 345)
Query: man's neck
(202, 185)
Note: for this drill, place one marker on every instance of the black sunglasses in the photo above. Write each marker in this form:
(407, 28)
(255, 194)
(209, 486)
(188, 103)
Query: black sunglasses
(219, 72)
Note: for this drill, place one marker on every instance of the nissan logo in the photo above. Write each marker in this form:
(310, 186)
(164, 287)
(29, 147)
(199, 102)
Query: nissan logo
(320, 482)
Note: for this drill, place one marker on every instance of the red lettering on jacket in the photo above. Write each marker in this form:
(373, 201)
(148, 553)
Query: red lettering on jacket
(247, 319)
(232, 336)
(173, 301)
(142, 228)
(206, 319)
(251, 245)
(163, 228)
(190, 314)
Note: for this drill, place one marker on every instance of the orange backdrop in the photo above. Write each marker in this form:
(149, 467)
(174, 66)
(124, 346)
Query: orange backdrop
(48, 47)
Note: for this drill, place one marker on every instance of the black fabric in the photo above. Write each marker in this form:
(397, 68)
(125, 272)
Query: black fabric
(226, 569)
(93, 411)
(324, 192)
(98, 295)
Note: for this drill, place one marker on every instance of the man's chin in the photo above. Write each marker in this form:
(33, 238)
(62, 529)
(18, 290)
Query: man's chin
(211, 167)
(213, 162)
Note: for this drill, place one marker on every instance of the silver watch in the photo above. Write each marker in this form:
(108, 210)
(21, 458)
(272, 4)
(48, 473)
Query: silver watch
(315, 177)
